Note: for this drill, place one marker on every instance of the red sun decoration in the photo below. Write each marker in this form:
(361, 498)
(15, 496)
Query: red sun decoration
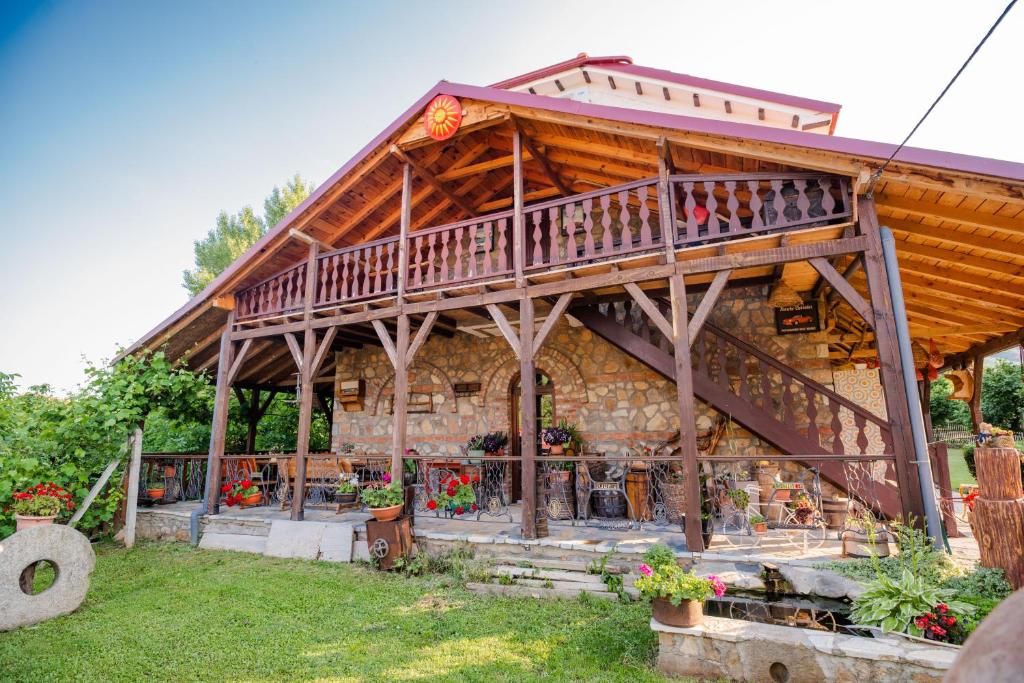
(442, 117)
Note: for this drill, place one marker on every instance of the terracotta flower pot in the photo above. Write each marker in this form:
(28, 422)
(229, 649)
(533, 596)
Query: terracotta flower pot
(687, 614)
(156, 494)
(29, 521)
(783, 495)
(386, 514)
(253, 499)
(761, 527)
(556, 449)
(347, 498)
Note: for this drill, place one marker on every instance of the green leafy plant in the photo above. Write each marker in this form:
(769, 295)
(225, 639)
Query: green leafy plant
(475, 443)
(659, 555)
(893, 604)
(383, 497)
(348, 483)
(673, 583)
(757, 519)
(42, 500)
(739, 498)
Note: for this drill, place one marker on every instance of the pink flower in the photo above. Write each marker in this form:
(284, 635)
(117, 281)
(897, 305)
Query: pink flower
(717, 585)
(387, 478)
(645, 570)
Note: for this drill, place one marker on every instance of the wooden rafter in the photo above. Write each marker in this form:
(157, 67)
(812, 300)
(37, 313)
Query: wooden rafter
(707, 302)
(955, 237)
(538, 155)
(1003, 224)
(432, 180)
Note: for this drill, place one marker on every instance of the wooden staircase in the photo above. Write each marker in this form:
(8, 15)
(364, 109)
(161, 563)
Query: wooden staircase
(782, 406)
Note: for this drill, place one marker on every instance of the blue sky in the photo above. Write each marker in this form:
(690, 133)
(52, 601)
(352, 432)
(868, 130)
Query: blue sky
(126, 127)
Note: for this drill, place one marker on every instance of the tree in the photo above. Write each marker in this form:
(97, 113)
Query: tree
(1002, 395)
(234, 234)
(946, 411)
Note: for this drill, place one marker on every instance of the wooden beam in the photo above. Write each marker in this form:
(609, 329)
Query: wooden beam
(506, 329)
(308, 239)
(955, 237)
(239, 359)
(1003, 224)
(421, 336)
(980, 263)
(845, 289)
(401, 398)
(518, 222)
(293, 346)
(957, 330)
(706, 304)
(528, 411)
(1002, 343)
(768, 257)
(481, 167)
(429, 178)
(545, 164)
(386, 342)
(922, 280)
(551, 320)
(219, 425)
(323, 349)
(650, 308)
(224, 303)
(403, 234)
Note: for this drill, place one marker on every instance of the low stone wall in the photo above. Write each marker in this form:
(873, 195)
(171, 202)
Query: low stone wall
(747, 651)
(162, 525)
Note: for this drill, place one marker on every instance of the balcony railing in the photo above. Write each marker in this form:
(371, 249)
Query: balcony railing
(605, 225)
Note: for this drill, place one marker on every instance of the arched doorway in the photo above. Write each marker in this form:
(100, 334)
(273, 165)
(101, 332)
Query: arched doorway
(545, 397)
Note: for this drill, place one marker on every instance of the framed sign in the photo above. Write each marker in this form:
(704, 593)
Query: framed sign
(442, 117)
(797, 319)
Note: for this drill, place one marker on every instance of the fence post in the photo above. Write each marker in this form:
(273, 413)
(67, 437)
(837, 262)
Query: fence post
(131, 504)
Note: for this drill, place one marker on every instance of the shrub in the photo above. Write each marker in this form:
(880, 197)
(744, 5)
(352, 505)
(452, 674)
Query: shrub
(42, 500)
(672, 582)
(659, 555)
(894, 604)
(383, 497)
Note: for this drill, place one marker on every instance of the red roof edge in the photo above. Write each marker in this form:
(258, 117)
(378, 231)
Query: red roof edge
(582, 59)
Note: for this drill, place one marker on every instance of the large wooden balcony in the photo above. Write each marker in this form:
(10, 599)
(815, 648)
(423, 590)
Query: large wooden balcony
(618, 225)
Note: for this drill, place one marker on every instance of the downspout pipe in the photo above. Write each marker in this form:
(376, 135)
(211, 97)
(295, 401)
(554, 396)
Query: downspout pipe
(924, 468)
(193, 519)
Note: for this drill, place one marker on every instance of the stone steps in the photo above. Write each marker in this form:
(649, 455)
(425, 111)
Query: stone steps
(546, 563)
(524, 591)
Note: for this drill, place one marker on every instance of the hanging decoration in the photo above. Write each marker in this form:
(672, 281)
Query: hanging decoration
(963, 384)
(442, 117)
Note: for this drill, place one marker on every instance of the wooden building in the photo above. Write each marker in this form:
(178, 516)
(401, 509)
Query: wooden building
(657, 250)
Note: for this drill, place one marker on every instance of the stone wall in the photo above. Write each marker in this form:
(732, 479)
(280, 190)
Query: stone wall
(615, 400)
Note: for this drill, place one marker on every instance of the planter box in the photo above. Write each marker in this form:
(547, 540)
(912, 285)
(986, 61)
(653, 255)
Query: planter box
(747, 651)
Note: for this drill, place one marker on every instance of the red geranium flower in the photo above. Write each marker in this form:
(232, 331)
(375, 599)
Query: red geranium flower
(476, 478)
(464, 478)
(431, 504)
(473, 507)
(459, 510)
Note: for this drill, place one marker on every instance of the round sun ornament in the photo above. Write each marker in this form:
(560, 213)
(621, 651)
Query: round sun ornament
(442, 117)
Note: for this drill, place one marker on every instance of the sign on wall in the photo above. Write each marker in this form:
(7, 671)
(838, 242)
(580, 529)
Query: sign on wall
(442, 117)
(797, 319)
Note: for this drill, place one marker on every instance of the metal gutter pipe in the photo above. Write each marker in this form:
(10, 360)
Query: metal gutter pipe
(924, 469)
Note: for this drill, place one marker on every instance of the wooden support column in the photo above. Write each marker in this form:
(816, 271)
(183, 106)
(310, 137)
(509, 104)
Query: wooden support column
(219, 428)
(252, 413)
(401, 400)
(518, 226)
(666, 214)
(897, 402)
(687, 414)
(528, 422)
(978, 368)
(131, 505)
(307, 373)
(403, 234)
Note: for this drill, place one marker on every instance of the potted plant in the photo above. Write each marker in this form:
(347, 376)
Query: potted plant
(348, 488)
(241, 492)
(556, 438)
(759, 524)
(494, 443)
(784, 490)
(739, 498)
(39, 505)
(455, 495)
(867, 538)
(574, 445)
(475, 446)
(803, 509)
(156, 489)
(385, 502)
(677, 596)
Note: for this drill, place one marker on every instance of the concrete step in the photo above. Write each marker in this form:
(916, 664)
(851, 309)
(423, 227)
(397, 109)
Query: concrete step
(524, 591)
(578, 578)
(245, 543)
(545, 563)
(237, 527)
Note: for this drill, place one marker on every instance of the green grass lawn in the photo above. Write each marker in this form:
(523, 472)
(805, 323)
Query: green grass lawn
(167, 612)
(958, 472)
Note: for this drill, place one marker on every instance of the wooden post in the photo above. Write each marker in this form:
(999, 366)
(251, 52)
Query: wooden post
(925, 387)
(403, 234)
(666, 214)
(687, 416)
(518, 226)
(528, 421)
(253, 413)
(306, 372)
(978, 368)
(998, 516)
(131, 505)
(219, 428)
(401, 400)
(896, 399)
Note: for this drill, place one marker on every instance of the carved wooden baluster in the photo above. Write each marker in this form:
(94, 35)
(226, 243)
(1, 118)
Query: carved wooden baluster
(458, 253)
(431, 268)
(443, 267)
(390, 283)
(571, 252)
(471, 263)
(803, 203)
(538, 239)
(416, 260)
(714, 225)
(788, 413)
(323, 268)
(346, 290)
(334, 278)
(812, 414)
(488, 241)
(828, 202)
(733, 204)
(627, 231)
(837, 427)
(645, 217)
(555, 249)
(378, 266)
(843, 193)
(690, 207)
(862, 436)
(289, 290)
(755, 204)
(607, 239)
(588, 229)
(886, 440)
(503, 244)
(778, 204)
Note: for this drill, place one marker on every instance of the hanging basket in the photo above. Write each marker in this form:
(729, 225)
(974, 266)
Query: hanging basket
(935, 359)
(963, 384)
(920, 356)
(782, 295)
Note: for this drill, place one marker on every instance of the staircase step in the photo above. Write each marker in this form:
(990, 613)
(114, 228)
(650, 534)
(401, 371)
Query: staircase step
(577, 578)
(521, 591)
(245, 543)
(566, 565)
(236, 527)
